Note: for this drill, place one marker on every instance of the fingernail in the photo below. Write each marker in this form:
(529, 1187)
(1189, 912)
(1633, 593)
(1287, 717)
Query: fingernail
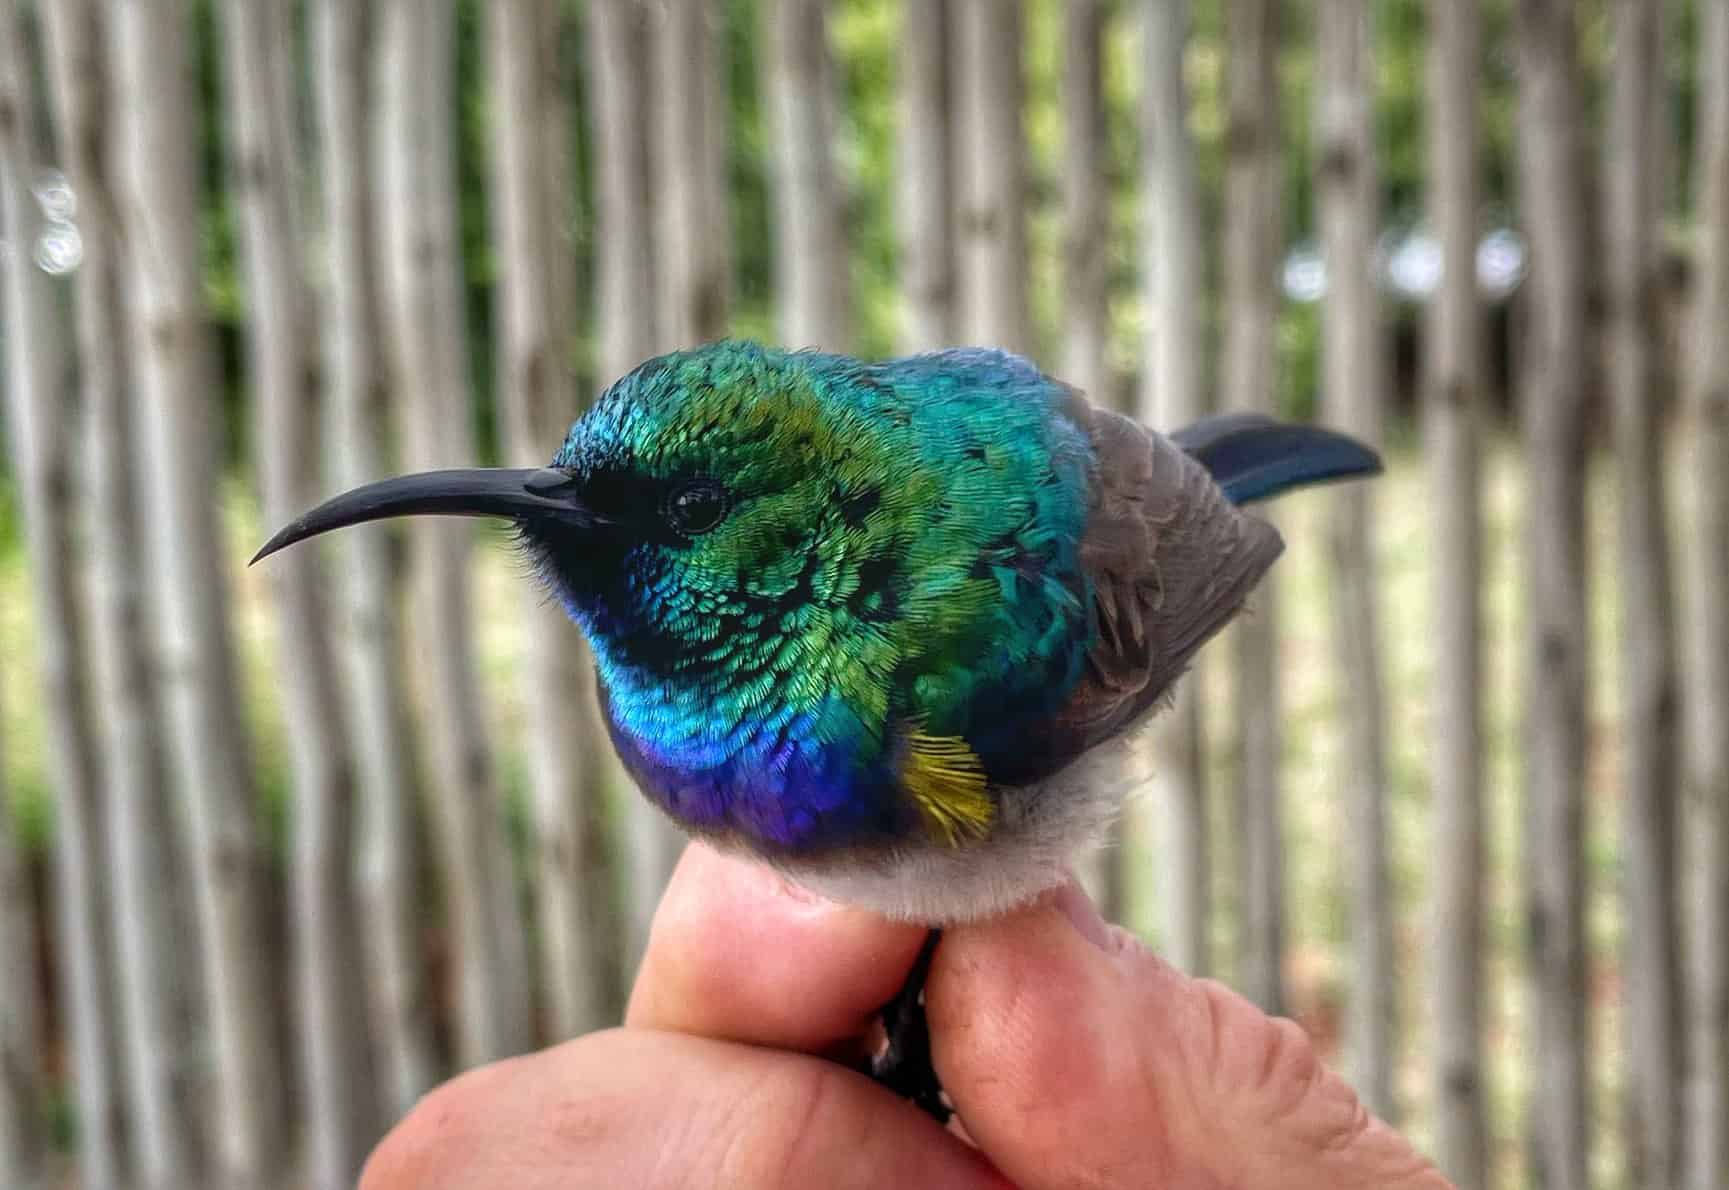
(1075, 905)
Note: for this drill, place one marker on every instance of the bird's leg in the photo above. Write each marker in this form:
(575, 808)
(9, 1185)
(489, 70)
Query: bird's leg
(904, 1065)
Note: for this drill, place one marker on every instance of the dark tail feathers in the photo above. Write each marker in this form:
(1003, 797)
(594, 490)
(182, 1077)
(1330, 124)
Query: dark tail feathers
(1252, 457)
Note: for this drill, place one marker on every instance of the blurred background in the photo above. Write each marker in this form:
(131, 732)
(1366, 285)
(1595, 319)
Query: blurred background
(281, 848)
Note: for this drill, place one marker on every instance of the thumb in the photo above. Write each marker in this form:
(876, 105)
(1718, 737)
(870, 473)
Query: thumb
(1078, 1058)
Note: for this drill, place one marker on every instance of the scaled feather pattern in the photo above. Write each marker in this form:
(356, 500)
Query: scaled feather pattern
(934, 581)
(890, 626)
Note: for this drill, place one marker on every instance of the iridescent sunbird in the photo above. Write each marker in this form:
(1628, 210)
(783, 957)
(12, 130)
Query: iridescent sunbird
(887, 626)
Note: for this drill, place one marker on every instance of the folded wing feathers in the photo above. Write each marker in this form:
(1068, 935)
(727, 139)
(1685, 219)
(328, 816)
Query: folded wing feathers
(1172, 561)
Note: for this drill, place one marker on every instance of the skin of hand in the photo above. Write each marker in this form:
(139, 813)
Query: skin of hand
(1075, 1057)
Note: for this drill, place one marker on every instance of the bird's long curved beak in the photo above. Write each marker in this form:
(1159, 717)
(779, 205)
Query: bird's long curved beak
(476, 492)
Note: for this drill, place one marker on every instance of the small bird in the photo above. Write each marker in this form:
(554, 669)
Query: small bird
(887, 626)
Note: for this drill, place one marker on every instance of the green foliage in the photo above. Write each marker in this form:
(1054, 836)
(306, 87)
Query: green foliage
(1299, 353)
(217, 236)
(474, 219)
(747, 165)
(24, 789)
(864, 34)
(1400, 144)
(579, 339)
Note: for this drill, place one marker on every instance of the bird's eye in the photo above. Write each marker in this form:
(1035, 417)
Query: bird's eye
(696, 506)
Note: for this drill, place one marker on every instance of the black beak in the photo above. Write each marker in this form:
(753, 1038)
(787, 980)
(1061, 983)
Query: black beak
(479, 492)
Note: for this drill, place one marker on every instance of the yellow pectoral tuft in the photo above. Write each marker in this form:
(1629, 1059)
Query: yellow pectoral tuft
(947, 783)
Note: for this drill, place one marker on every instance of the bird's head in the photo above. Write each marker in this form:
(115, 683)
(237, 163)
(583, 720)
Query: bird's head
(710, 503)
(732, 496)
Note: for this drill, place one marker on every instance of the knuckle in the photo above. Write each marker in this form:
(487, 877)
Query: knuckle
(1232, 1038)
(1266, 1063)
(1215, 1006)
(1290, 1068)
(1302, 1097)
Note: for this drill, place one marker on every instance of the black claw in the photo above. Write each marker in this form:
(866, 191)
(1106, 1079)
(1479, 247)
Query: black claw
(904, 1065)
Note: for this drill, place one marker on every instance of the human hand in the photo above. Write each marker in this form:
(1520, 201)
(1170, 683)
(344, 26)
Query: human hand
(1074, 1056)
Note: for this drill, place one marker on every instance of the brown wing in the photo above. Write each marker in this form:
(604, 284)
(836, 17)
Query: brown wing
(1171, 562)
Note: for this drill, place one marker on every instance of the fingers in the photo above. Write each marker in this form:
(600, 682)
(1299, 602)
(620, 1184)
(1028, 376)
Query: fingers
(642, 1109)
(737, 954)
(1076, 1057)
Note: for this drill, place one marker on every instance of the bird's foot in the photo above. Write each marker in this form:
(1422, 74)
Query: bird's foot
(904, 1063)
